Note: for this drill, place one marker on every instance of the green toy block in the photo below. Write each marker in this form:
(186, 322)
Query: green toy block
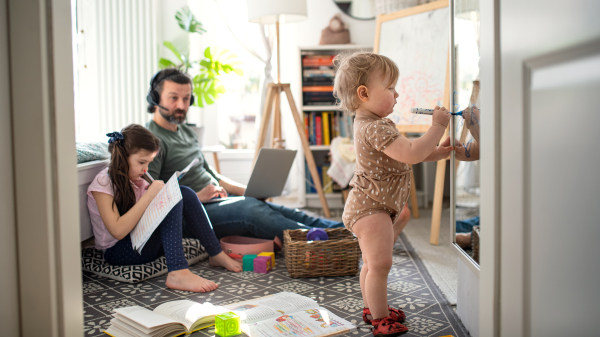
(248, 262)
(227, 324)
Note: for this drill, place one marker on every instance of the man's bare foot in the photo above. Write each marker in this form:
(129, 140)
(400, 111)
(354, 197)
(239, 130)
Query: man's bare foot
(184, 279)
(223, 260)
(463, 240)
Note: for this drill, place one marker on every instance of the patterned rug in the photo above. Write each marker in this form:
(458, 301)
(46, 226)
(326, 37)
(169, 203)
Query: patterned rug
(409, 286)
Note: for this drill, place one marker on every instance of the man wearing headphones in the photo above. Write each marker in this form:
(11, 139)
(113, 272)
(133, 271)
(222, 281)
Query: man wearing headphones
(169, 98)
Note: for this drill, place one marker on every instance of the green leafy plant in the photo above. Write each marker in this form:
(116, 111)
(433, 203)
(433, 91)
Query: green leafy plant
(206, 72)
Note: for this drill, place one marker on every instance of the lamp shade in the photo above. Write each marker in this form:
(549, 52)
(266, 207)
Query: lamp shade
(272, 11)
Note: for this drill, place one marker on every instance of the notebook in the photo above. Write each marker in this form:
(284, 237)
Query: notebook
(269, 174)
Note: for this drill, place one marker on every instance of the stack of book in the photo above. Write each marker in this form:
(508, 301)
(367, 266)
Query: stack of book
(318, 73)
(322, 126)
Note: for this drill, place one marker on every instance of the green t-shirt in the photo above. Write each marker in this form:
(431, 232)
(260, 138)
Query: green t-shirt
(177, 150)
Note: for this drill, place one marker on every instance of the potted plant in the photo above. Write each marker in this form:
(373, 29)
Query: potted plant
(206, 72)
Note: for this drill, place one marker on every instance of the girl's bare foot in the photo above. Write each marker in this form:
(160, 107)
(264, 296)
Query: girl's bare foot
(463, 240)
(184, 279)
(223, 260)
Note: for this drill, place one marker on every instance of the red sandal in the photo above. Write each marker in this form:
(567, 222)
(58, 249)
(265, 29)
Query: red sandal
(387, 327)
(396, 314)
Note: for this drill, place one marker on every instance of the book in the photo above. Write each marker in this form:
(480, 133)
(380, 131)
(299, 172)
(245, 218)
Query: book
(325, 127)
(280, 314)
(158, 209)
(318, 131)
(288, 314)
(169, 319)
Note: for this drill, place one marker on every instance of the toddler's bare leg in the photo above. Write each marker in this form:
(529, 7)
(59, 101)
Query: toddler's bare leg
(401, 222)
(375, 237)
(363, 275)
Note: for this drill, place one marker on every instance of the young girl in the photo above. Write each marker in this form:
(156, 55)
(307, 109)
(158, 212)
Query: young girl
(365, 85)
(118, 197)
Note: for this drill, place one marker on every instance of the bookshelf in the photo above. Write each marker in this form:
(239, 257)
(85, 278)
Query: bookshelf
(322, 119)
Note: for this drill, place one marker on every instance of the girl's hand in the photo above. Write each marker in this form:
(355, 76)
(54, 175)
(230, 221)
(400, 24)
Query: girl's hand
(443, 150)
(211, 191)
(155, 187)
(459, 150)
(441, 117)
(471, 116)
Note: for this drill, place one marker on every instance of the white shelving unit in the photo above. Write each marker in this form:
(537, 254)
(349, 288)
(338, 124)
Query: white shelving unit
(334, 200)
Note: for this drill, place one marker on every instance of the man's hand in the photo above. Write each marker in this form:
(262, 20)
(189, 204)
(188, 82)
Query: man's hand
(211, 191)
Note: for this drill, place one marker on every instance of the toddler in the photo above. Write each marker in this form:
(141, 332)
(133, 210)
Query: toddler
(118, 197)
(374, 211)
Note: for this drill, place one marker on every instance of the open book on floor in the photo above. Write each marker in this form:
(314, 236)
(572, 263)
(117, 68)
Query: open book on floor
(172, 318)
(288, 314)
(281, 314)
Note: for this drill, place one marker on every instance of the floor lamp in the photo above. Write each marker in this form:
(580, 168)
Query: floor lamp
(284, 11)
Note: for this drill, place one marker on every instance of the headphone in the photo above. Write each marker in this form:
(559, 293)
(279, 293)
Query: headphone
(153, 96)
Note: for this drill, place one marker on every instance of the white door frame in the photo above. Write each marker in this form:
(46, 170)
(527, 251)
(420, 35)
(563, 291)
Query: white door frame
(42, 108)
(490, 173)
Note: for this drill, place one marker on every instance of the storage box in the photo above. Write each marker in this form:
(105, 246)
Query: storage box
(337, 256)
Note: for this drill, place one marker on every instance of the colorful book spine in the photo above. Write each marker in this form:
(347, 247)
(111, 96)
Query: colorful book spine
(325, 128)
(318, 131)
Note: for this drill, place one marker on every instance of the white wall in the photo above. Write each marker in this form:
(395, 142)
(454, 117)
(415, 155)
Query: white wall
(9, 306)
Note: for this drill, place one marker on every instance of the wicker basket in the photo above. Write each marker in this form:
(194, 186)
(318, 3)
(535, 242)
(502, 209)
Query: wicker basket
(337, 256)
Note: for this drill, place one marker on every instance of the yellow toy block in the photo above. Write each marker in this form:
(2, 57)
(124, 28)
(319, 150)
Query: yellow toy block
(271, 254)
(227, 324)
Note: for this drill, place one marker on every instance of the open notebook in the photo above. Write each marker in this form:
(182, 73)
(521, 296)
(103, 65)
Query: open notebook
(269, 174)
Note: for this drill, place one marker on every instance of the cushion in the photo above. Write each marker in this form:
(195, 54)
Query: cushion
(92, 260)
(90, 151)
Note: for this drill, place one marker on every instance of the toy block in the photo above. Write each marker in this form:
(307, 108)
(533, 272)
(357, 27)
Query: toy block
(271, 254)
(262, 264)
(227, 324)
(248, 262)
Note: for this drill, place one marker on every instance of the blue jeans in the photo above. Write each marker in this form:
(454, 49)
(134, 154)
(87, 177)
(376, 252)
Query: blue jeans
(466, 226)
(254, 218)
(166, 238)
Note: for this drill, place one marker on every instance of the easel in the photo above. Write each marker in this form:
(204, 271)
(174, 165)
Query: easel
(272, 106)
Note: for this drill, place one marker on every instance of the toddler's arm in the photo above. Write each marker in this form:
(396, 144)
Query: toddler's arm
(120, 225)
(413, 152)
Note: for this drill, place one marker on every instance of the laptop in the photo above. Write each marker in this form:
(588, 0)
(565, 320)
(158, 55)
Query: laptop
(269, 174)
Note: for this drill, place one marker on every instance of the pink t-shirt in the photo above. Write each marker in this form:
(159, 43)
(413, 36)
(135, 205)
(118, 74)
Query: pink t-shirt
(103, 184)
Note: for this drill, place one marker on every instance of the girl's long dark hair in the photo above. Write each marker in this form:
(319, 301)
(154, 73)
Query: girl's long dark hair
(135, 138)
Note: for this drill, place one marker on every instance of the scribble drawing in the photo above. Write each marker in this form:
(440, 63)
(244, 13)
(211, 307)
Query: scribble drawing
(416, 90)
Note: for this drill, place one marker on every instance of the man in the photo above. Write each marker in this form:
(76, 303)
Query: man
(468, 152)
(169, 99)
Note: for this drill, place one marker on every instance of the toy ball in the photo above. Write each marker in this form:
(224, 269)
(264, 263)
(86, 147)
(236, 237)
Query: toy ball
(316, 234)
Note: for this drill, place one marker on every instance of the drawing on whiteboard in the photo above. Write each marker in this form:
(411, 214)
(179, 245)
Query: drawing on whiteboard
(418, 44)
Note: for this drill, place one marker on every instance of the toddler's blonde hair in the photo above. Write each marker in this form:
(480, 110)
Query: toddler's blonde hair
(354, 70)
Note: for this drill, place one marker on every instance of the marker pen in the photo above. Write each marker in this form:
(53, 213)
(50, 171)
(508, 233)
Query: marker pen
(422, 111)
(148, 176)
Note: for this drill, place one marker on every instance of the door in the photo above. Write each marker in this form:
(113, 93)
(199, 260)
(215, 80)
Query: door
(546, 264)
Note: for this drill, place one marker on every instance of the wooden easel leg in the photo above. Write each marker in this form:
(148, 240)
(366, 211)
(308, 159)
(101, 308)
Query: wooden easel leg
(310, 160)
(438, 198)
(414, 203)
(276, 139)
(266, 116)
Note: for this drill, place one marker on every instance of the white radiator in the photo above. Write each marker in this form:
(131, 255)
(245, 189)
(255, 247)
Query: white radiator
(115, 57)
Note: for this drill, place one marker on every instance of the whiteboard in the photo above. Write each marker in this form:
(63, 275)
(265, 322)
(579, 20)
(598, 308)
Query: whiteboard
(418, 43)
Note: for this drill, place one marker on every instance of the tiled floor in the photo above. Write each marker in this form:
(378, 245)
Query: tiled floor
(409, 286)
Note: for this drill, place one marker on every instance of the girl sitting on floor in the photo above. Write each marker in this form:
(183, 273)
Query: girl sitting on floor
(118, 197)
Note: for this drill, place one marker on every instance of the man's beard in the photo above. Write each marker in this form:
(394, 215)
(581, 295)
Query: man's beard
(172, 118)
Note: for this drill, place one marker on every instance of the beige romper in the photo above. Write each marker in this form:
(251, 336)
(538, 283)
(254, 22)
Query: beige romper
(380, 183)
